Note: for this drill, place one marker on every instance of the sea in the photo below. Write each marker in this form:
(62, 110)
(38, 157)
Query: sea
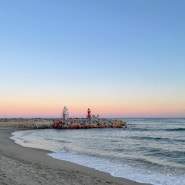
(147, 151)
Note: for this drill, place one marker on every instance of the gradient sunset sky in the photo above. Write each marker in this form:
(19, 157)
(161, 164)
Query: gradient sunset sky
(121, 58)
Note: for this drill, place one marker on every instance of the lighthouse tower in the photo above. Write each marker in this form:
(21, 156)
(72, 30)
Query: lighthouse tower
(88, 113)
(65, 113)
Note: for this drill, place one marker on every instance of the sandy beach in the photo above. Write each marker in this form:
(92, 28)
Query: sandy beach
(27, 166)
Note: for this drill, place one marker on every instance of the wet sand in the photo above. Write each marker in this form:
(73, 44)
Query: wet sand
(27, 166)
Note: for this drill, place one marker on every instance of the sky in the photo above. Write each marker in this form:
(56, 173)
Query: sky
(121, 58)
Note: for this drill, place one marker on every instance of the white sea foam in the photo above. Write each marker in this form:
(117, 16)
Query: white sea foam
(119, 170)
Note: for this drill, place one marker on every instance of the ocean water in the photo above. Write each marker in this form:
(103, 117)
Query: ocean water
(147, 151)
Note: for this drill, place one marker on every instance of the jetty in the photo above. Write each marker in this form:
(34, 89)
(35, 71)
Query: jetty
(87, 124)
(91, 121)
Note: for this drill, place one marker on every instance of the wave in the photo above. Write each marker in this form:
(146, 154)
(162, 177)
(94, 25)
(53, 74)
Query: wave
(175, 129)
(137, 129)
(57, 140)
(154, 129)
(169, 155)
(156, 138)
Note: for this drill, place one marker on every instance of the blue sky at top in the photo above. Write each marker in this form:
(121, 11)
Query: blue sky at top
(95, 45)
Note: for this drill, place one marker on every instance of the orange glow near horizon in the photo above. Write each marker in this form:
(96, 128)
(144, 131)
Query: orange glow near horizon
(45, 106)
(107, 110)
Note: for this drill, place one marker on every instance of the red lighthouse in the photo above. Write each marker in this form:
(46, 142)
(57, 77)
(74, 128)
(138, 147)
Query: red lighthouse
(88, 113)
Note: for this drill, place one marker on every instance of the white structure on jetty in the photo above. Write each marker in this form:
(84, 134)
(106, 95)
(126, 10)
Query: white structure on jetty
(65, 113)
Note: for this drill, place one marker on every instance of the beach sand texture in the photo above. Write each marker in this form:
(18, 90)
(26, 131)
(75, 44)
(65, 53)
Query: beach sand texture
(27, 166)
